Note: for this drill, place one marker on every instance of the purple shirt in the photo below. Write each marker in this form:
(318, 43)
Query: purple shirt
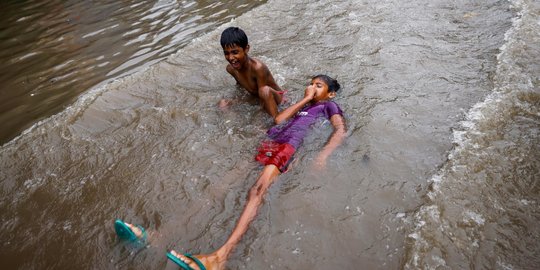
(294, 131)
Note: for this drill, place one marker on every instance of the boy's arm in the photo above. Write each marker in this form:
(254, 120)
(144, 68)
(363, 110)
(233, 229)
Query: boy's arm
(224, 103)
(293, 109)
(264, 77)
(335, 140)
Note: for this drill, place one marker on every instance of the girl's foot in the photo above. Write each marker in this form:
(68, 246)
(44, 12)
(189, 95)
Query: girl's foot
(199, 262)
(130, 232)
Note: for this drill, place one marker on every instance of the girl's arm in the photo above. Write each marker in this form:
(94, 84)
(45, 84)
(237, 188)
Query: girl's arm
(292, 110)
(335, 140)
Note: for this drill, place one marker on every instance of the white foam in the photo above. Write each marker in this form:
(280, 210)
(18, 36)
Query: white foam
(477, 218)
(509, 78)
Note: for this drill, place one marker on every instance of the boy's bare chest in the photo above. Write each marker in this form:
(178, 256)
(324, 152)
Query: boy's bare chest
(248, 82)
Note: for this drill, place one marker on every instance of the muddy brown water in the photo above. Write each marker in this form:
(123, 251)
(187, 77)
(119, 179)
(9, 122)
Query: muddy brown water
(439, 170)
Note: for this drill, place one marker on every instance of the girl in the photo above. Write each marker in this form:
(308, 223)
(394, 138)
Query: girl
(275, 154)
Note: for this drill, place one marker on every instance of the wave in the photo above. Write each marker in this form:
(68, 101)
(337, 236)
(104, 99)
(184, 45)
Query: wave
(483, 200)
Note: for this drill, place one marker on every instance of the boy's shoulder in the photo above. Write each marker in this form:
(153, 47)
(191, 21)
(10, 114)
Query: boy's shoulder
(256, 68)
(258, 65)
(254, 64)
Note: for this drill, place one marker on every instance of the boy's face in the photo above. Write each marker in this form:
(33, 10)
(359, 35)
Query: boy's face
(321, 90)
(236, 55)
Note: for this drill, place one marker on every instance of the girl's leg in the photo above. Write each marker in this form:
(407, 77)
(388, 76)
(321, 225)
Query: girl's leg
(255, 197)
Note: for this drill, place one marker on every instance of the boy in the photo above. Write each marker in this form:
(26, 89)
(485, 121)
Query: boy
(275, 155)
(250, 73)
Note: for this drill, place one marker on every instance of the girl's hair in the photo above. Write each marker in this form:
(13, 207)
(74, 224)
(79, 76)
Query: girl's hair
(234, 36)
(333, 85)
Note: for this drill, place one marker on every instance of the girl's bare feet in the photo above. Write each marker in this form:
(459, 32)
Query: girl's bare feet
(210, 261)
(130, 232)
(136, 230)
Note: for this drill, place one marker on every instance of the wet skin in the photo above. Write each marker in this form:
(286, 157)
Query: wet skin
(254, 76)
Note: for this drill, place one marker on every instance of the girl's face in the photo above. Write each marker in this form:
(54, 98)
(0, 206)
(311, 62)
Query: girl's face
(321, 90)
(236, 56)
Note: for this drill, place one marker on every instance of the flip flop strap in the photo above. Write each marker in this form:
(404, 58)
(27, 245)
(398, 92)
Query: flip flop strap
(178, 262)
(199, 263)
(143, 237)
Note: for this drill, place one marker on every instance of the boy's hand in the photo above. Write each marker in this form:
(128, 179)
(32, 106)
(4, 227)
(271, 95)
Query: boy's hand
(224, 103)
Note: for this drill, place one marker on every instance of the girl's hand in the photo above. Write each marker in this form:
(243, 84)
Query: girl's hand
(309, 92)
(319, 163)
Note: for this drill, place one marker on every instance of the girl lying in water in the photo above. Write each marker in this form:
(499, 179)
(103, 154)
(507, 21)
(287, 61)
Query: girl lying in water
(275, 154)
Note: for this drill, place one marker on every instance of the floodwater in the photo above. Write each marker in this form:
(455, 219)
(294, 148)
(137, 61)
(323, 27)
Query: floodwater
(440, 168)
(54, 51)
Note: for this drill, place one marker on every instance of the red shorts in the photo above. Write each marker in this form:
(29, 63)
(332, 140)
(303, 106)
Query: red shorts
(279, 154)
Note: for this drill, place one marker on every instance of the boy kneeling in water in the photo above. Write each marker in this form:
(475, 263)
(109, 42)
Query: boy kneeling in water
(275, 154)
(250, 73)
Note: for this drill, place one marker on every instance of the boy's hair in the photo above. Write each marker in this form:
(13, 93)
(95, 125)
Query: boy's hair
(234, 36)
(333, 85)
